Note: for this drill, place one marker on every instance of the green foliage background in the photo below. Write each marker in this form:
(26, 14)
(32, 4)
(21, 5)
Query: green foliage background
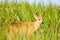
(50, 30)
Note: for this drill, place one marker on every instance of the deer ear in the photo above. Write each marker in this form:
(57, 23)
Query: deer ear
(43, 14)
(35, 15)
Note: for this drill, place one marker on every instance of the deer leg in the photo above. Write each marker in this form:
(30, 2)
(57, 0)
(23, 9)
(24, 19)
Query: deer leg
(28, 36)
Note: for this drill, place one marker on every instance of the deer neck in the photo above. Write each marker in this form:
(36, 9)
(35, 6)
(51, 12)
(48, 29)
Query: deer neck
(36, 25)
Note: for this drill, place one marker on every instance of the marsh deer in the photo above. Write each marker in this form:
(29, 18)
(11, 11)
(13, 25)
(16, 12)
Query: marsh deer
(25, 27)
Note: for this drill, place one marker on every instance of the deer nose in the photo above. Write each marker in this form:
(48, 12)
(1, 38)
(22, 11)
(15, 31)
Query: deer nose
(42, 22)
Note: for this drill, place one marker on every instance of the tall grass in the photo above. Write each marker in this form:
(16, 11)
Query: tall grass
(50, 30)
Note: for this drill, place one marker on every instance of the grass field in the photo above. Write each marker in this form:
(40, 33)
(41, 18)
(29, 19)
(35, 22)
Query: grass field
(50, 30)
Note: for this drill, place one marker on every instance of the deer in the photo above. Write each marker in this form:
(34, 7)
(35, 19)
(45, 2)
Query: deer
(25, 27)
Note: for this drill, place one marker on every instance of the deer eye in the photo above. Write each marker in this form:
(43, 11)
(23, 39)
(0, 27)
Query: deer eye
(39, 19)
